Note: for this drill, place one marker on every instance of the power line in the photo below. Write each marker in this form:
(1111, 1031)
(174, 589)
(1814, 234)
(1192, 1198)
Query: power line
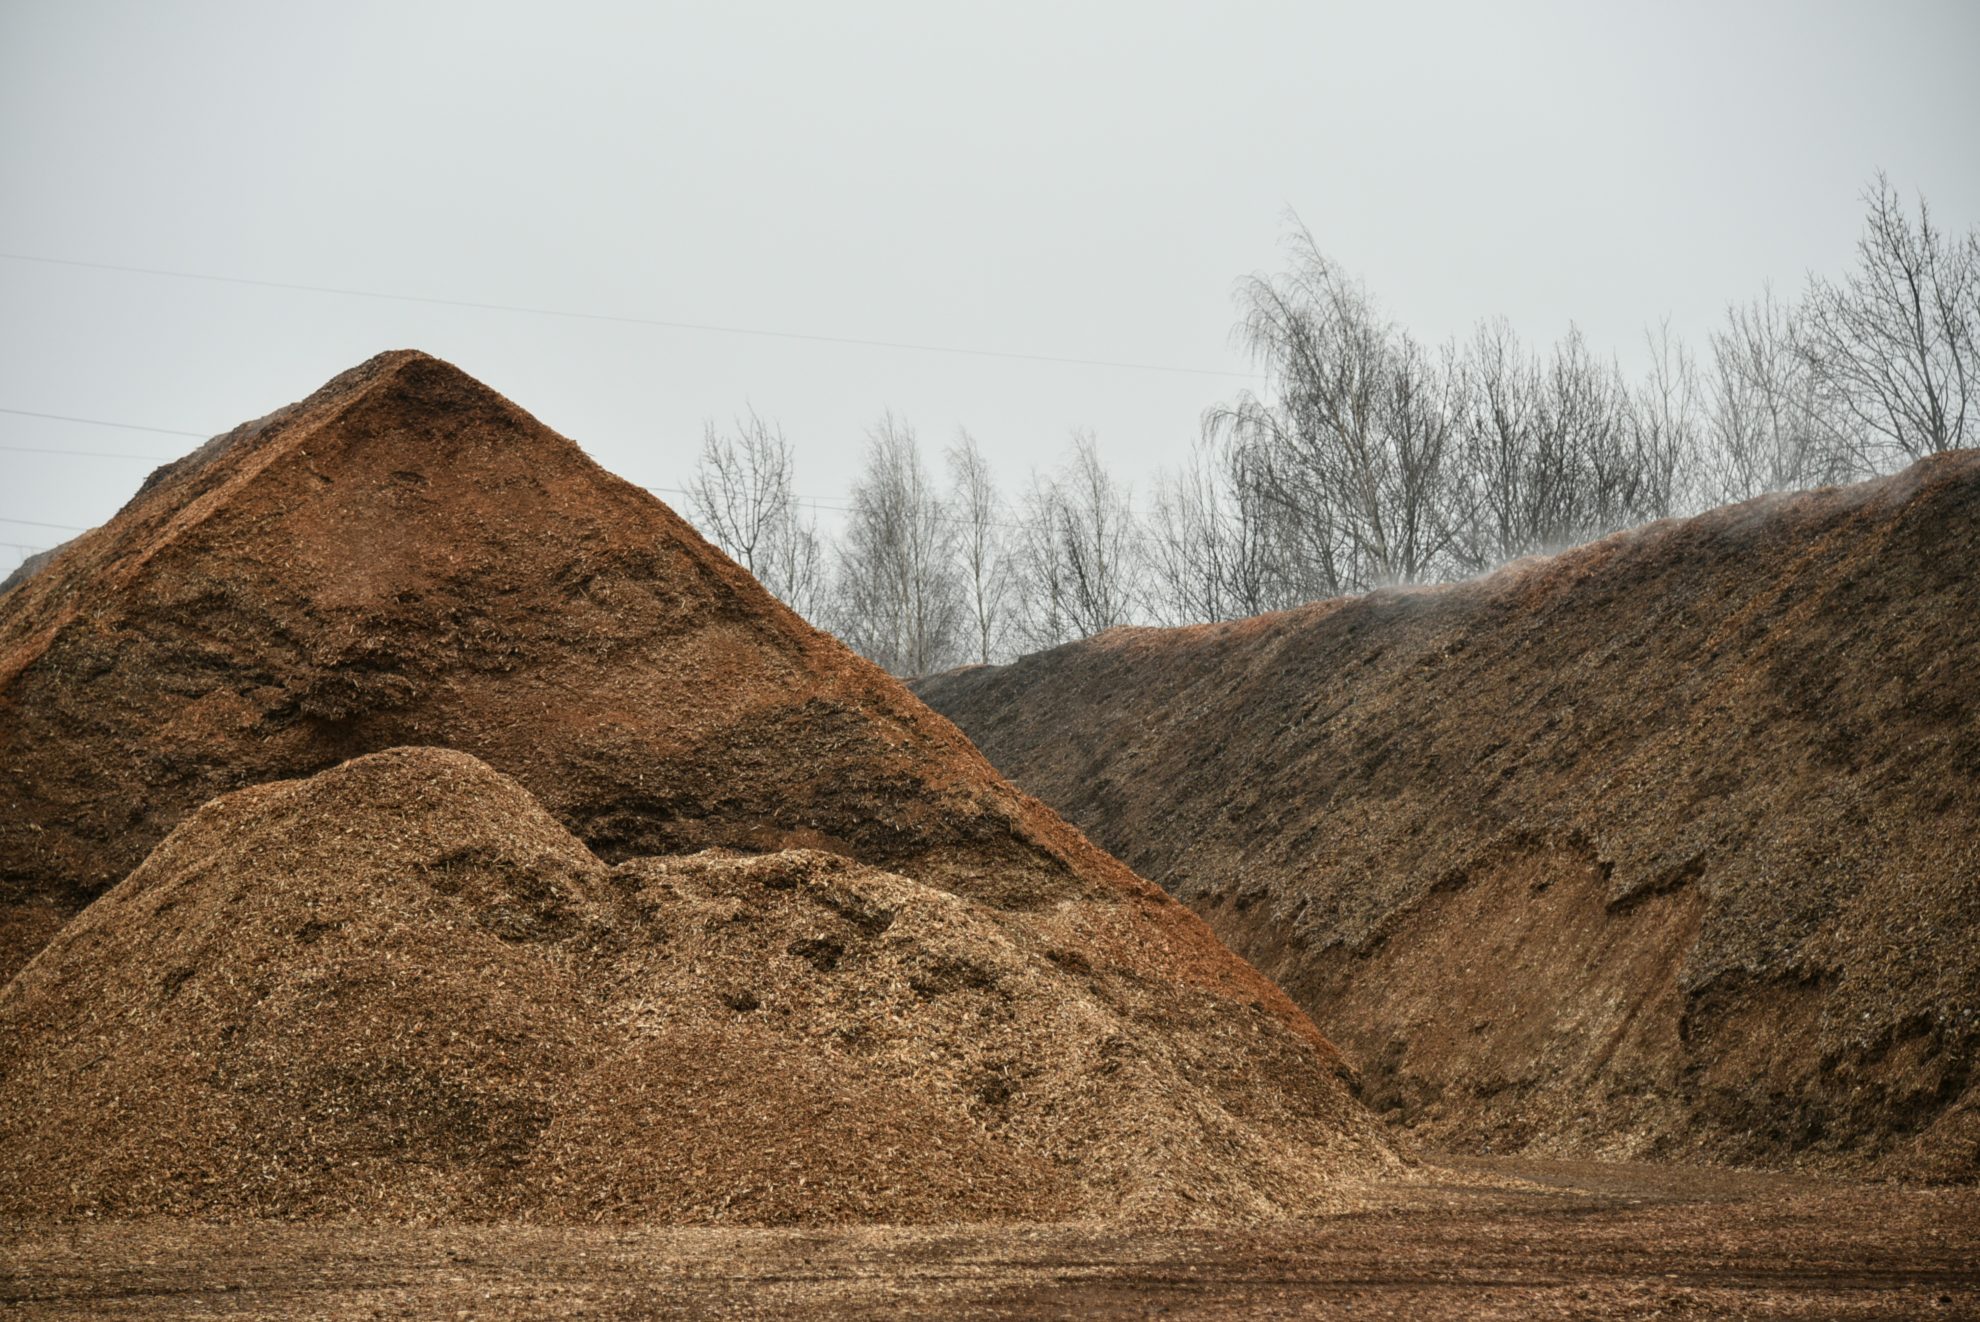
(36, 523)
(99, 422)
(836, 504)
(663, 324)
(86, 454)
(829, 504)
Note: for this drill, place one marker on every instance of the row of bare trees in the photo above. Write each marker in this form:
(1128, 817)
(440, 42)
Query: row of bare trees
(929, 568)
(1369, 458)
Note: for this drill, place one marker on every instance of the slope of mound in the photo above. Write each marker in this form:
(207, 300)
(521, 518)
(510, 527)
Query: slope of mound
(400, 989)
(1666, 845)
(406, 557)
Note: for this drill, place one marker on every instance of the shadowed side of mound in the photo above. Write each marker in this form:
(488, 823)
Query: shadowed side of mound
(1665, 846)
(401, 990)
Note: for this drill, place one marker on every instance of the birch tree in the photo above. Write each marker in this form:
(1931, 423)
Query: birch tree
(1892, 345)
(898, 599)
(983, 558)
(743, 497)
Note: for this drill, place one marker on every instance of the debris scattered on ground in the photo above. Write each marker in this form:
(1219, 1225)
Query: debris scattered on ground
(1531, 1241)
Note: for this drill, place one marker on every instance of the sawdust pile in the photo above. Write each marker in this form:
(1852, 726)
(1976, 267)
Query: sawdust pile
(402, 989)
(1665, 846)
(399, 989)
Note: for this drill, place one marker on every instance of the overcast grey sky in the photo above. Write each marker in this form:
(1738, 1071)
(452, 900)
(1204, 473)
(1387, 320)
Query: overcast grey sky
(1080, 181)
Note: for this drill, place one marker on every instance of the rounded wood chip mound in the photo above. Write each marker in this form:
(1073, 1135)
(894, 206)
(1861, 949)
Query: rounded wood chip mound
(401, 990)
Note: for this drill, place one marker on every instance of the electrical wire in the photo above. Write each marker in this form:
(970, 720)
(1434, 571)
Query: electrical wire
(36, 523)
(835, 504)
(99, 422)
(661, 323)
(818, 504)
(86, 454)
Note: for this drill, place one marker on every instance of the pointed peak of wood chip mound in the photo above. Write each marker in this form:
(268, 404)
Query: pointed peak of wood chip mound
(407, 557)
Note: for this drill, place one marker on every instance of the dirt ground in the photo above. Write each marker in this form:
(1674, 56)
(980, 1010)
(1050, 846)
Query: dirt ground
(1505, 1238)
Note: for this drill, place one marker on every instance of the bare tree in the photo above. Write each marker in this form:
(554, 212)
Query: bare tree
(1892, 347)
(898, 600)
(1276, 555)
(1668, 428)
(984, 563)
(1560, 450)
(1415, 513)
(1588, 472)
(1078, 557)
(1044, 615)
(1217, 545)
(1098, 537)
(1764, 429)
(1353, 438)
(1499, 425)
(743, 495)
(793, 565)
(1188, 544)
